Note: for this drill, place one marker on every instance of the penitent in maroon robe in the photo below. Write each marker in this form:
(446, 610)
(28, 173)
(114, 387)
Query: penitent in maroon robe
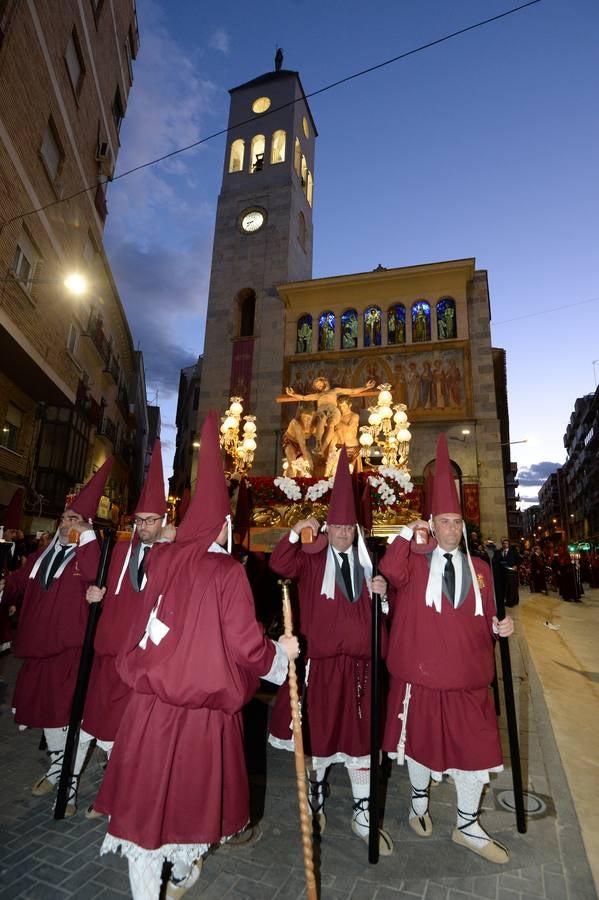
(177, 772)
(336, 701)
(107, 693)
(50, 635)
(448, 658)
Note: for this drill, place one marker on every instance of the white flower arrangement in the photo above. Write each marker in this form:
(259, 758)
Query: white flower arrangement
(289, 487)
(315, 491)
(387, 490)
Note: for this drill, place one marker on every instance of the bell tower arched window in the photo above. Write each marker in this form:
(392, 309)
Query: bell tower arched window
(236, 155)
(277, 147)
(257, 153)
(246, 300)
(446, 319)
(297, 157)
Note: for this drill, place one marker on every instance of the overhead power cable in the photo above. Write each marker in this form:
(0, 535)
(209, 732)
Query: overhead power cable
(543, 312)
(322, 90)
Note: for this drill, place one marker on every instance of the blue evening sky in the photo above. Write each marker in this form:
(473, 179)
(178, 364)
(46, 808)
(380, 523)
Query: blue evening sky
(483, 146)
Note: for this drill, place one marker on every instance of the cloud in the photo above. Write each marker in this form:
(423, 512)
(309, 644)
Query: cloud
(221, 41)
(537, 473)
(533, 499)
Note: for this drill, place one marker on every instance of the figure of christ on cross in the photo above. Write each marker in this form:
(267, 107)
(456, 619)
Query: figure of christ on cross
(327, 414)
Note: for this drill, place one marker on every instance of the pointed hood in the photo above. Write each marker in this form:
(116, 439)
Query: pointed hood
(342, 508)
(444, 495)
(209, 506)
(427, 494)
(243, 515)
(13, 514)
(152, 499)
(87, 500)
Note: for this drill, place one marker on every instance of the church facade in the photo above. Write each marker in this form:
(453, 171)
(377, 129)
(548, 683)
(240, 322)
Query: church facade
(423, 329)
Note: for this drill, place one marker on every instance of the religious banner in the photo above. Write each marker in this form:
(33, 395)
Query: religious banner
(471, 503)
(241, 369)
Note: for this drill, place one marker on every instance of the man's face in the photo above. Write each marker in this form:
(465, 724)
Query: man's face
(505, 544)
(10, 534)
(67, 520)
(341, 537)
(344, 407)
(149, 526)
(448, 530)
(320, 384)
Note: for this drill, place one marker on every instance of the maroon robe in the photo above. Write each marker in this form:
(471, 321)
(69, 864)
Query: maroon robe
(336, 703)
(50, 636)
(448, 658)
(177, 772)
(107, 693)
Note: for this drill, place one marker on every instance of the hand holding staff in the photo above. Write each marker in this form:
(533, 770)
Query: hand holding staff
(300, 766)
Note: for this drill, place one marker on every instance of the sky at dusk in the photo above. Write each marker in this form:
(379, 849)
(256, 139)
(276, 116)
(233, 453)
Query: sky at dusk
(483, 146)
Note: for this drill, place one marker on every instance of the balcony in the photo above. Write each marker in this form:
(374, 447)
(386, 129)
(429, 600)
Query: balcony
(107, 429)
(112, 367)
(95, 332)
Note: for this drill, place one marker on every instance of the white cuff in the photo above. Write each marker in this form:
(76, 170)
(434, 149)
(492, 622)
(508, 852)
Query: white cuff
(293, 537)
(280, 666)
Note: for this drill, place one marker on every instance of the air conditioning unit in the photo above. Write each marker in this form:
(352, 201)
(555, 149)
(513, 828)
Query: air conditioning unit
(104, 158)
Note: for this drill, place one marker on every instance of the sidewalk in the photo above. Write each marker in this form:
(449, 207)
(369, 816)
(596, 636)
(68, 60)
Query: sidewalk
(43, 859)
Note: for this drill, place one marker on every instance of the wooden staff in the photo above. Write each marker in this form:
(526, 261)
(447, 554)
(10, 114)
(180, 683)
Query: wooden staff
(83, 673)
(375, 695)
(300, 766)
(512, 725)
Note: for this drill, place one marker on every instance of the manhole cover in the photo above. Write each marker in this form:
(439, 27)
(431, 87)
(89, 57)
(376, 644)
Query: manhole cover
(533, 805)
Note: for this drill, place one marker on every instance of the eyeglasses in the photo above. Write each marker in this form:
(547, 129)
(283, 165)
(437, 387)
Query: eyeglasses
(342, 527)
(149, 520)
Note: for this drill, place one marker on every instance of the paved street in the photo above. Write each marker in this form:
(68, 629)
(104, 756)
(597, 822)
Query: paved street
(43, 859)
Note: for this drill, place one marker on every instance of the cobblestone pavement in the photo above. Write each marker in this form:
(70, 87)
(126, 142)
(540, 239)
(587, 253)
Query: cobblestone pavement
(42, 859)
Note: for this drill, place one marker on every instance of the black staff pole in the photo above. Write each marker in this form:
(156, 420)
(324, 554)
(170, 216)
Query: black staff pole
(85, 665)
(512, 726)
(375, 725)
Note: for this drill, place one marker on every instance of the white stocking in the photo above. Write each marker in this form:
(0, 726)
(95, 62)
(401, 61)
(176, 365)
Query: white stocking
(360, 787)
(106, 746)
(469, 790)
(420, 777)
(145, 878)
(56, 739)
(82, 751)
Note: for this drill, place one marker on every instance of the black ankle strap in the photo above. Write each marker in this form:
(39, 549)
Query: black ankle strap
(419, 793)
(361, 805)
(471, 819)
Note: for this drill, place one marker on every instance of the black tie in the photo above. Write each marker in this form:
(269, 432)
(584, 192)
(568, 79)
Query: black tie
(346, 576)
(56, 563)
(140, 568)
(449, 578)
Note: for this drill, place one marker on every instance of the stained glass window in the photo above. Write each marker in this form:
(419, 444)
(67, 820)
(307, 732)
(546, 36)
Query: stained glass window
(396, 324)
(446, 319)
(304, 334)
(372, 327)
(421, 321)
(349, 329)
(326, 331)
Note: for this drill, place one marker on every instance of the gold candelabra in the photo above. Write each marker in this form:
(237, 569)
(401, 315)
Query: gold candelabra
(238, 442)
(387, 437)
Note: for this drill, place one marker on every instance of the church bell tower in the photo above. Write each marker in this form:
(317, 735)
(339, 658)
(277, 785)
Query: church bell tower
(263, 237)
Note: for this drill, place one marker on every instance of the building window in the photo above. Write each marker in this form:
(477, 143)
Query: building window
(11, 430)
(309, 187)
(396, 324)
(257, 153)
(236, 156)
(304, 334)
(297, 157)
(421, 321)
(118, 109)
(446, 319)
(196, 399)
(277, 147)
(24, 262)
(51, 151)
(301, 229)
(74, 61)
(305, 126)
(261, 105)
(326, 331)
(349, 329)
(372, 327)
(247, 312)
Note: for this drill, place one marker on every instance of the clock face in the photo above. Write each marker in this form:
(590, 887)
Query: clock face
(252, 220)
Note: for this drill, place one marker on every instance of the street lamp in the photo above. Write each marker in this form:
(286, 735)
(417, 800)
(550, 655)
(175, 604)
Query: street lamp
(240, 447)
(387, 434)
(76, 283)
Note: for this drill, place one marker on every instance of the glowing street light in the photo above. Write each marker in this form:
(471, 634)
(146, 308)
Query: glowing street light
(76, 283)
